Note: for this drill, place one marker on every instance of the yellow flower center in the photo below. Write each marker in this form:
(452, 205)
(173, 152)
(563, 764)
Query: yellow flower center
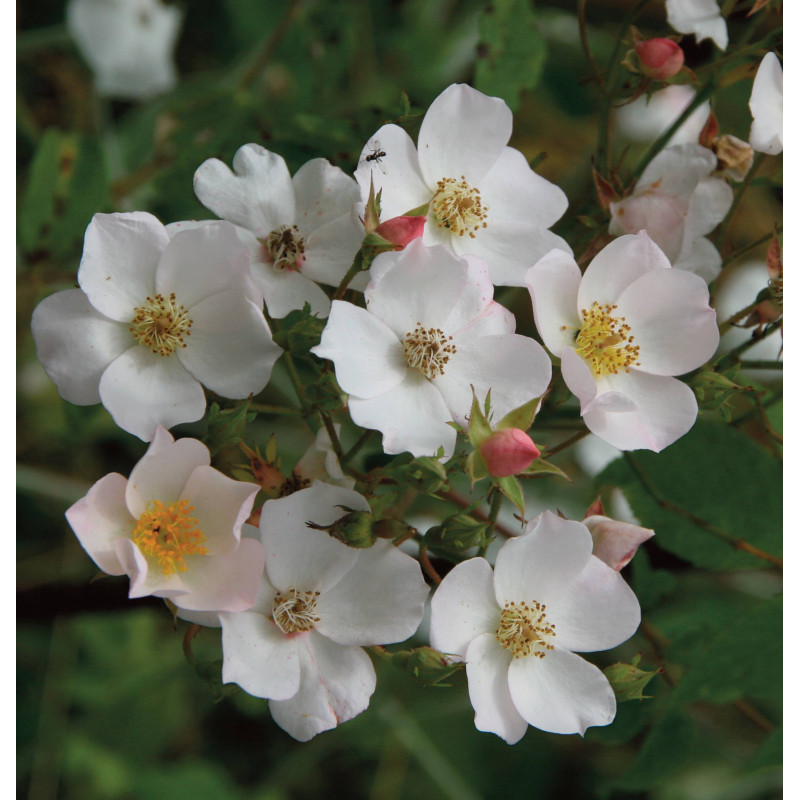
(428, 350)
(161, 324)
(285, 248)
(293, 611)
(169, 534)
(605, 341)
(524, 629)
(457, 206)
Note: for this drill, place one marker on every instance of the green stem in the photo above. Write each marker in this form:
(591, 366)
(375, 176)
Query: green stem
(296, 382)
(263, 408)
(587, 50)
(734, 318)
(362, 440)
(270, 46)
(355, 268)
(761, 364)
(726, 359)
(335, 443)
(568, 442)
(494, 510)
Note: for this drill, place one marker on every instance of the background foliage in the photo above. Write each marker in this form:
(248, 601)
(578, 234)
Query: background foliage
(108, 705)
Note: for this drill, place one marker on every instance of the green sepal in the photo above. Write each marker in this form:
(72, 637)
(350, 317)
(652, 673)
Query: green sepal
(512, 490)
(419, 211)
(521, 417)
(542, 467)
(227, 427)
(628, 681)
(428, 666)
(476, 467)
(479, 428)
(299, 331)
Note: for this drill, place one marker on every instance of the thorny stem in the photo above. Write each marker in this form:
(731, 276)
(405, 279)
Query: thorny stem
(733, 355)
(362, 440)
(741, 189)
(425, 561)
(270, 46)
(734, 541)
(734, 318)
(587, 50)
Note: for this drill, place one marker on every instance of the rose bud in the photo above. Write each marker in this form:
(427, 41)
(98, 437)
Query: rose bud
(401, 230)
(508, 451)
(660, 58)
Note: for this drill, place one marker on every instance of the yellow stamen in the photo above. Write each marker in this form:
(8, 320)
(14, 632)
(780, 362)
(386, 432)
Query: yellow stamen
(605, 342)
(428, 350)
(294, 611)
(169, 534)
(524, 629)
(285, 248)
(161, 324)
(457, 206)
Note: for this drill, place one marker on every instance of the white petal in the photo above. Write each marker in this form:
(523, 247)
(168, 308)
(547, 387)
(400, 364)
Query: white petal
(464, 132)
(463, 607)
(229, 348)
(412, 416)
(617, 266)
(221, 506)
(162, 473)
(543, 563)
(367, 355)
(553, 283)
(257, 194)
(671, 321)
(101, 517)
(397, 174)
(579, 377)
(515, 368)
(702, 259)
(700, 17)
(118, 266)
(298, 556)
(323, 193)
(75, 344)
(599, 611)
(259, 657)
(330, 250)
(561, 693)
(287, 290)
(487, 673)
(336, 684)
(663, 216)
(201, 262)
(142, 390)
(223, 583)
(380, 601)
(665, 410)
(766, 105)
(144, 580)
(710, 202)
(677, 170)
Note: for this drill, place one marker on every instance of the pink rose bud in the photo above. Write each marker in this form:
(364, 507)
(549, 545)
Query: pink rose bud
(660, 58)
(614, 542)
(401, 230)
(508, 451)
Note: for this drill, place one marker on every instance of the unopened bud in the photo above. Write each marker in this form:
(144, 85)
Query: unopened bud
(613, 542)
(659, 58)
(399, 231)
(734, 157)
(508, 452)
(457, 534)
(354, 529)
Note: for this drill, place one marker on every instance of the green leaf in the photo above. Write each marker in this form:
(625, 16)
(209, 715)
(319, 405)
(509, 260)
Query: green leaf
(628, 681)
(512, 490)
(649, 584)
(743, 501)
(770, 754)
(227, 427)
(299, 331)
(512, 51)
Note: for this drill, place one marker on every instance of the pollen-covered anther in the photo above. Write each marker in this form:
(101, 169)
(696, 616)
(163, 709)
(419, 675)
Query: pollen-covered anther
(524, 629)
(169, 533)
(161, 324)
(458, 207)
(293, 611)
(285, 248)
(428, 350)
(605, 342)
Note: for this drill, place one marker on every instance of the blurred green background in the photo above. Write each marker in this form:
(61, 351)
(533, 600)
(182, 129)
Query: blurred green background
(108, 706)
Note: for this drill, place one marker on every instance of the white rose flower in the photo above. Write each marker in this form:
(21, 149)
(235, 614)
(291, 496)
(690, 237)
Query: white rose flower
(621, 331)
(298, 229)
(483, 199)
(518, 629)
(430, 331)
(699, 17)
(128, 44)
(766, 105)
(678, 202)
(319, 604)
(154, 321)
(320, 462)
(175, 528)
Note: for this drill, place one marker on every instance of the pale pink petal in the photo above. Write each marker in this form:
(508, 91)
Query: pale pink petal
(412, 416)
(229, 348)
(75, 344)
(101, 517)
(118, 266)
(380, 601)
(336, 683)
(702, 259)
(367, 355)
(142, 390)
(665, 410)
(710, 202)
(397, 174)
(162, 472)
(257, 194)
(463, 607)
(323, 193)
(561, 693)
(475, 310)
(579, 377)
(298, 556)
(598, 612)
(330, 250)
(615, 543)
(464, 132)
(542, 564)
(663, 216)
(618, 265)
(487, 674)
(146, 579)
(223, 583)
(553, 283)
(515, 368)
(766, 105)
(671, 321)
(221, 506)
(677, 170)
(258, 656)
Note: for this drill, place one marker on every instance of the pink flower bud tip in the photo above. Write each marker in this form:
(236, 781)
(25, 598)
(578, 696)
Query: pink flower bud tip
(401, 230)
(660, 58)
(508, 451)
